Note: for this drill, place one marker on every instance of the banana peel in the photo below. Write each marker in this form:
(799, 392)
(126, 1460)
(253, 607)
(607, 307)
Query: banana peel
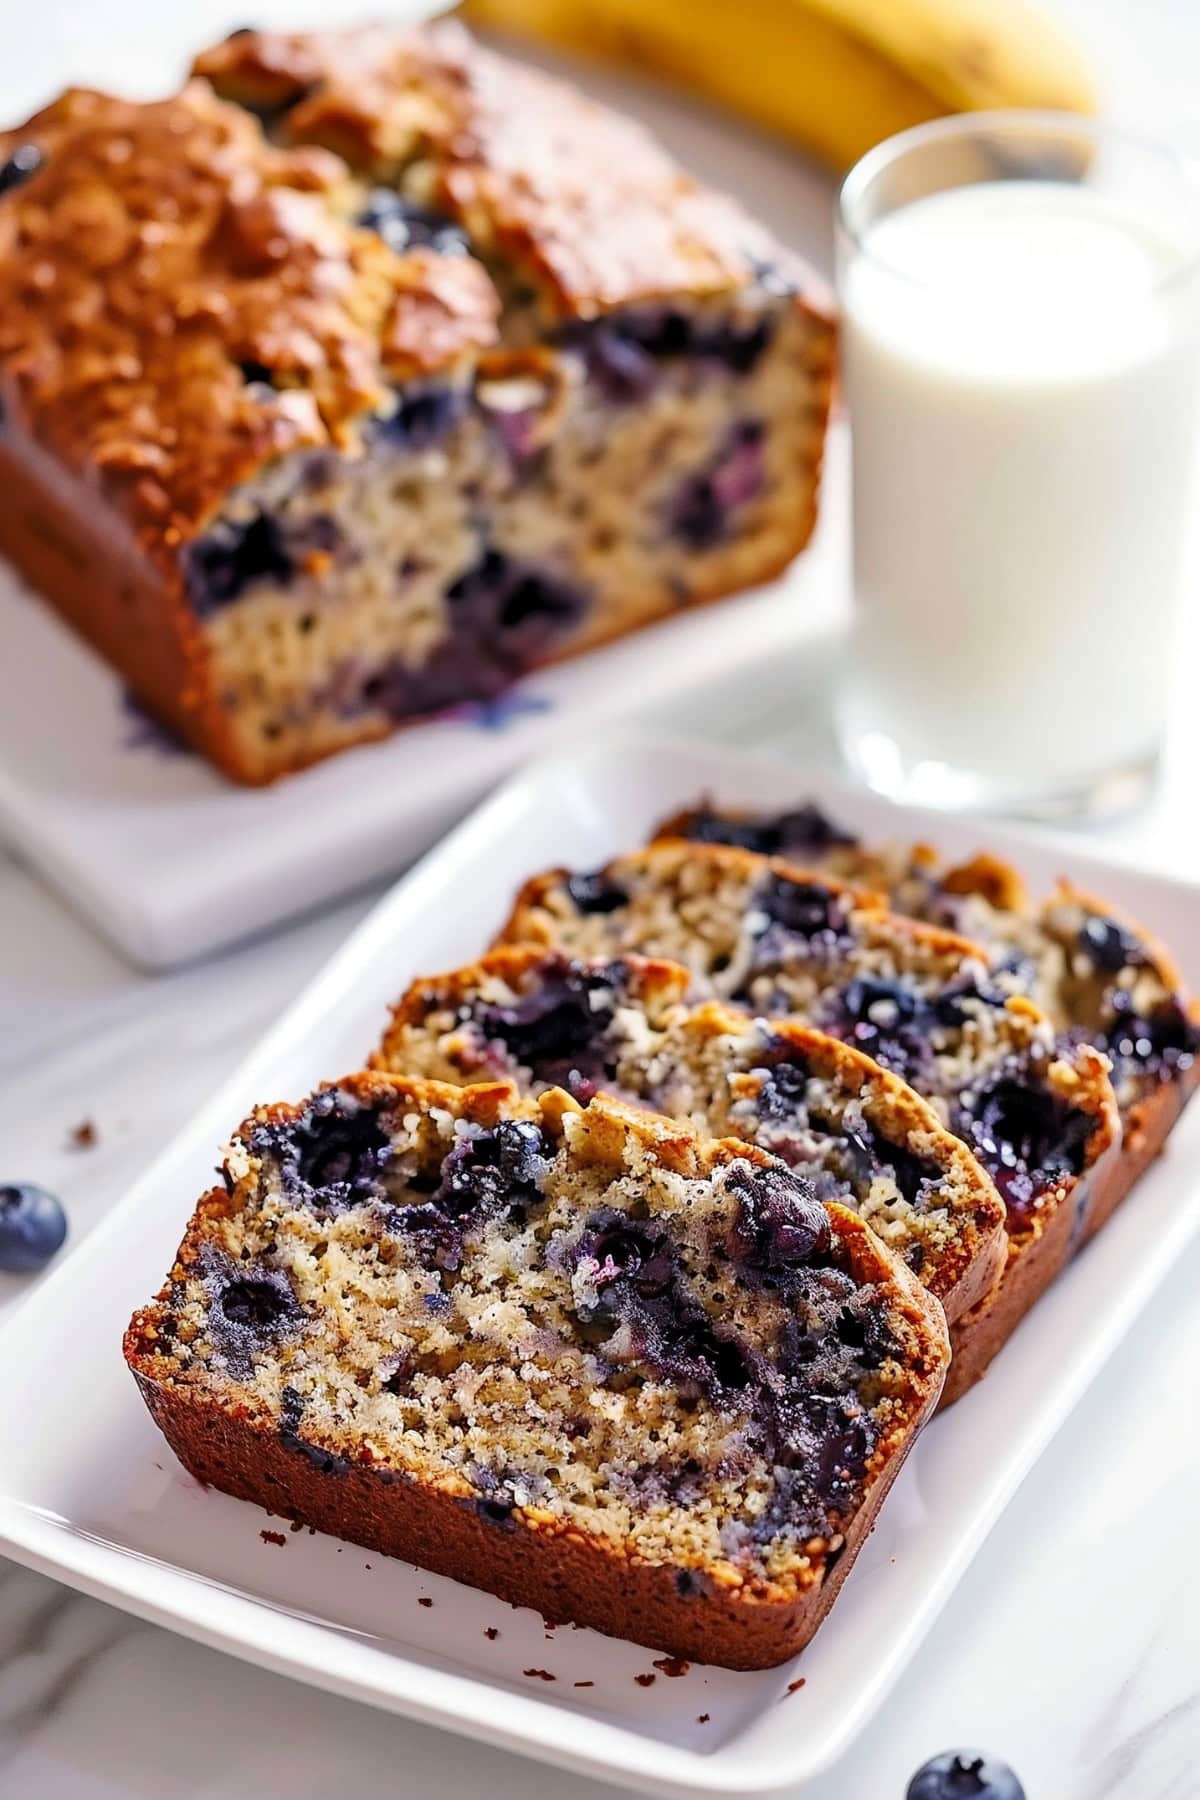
(835, 76)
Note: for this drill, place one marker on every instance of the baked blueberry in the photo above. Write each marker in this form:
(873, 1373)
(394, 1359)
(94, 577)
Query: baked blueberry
(700, 514)
(1159, 1045)
(405, 226)
(1027, 1139)
(556, 1029)
(1108, 945)
(803, 830)
(779, 1224)
(256, 1306)
(888, 1020)
(25, 161)
(33, 1226)
(784, 1088)
(423, 419)
(964, 1775)
(497, 1171)
(231, 557)
(868, 1155)
(595, 893)
(332, 1156)
(804, 909)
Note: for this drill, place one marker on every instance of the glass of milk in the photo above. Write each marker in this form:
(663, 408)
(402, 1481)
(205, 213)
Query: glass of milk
(1021, 314)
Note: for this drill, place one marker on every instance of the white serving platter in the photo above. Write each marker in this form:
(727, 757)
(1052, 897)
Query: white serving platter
(90, 1494)
(168, 860)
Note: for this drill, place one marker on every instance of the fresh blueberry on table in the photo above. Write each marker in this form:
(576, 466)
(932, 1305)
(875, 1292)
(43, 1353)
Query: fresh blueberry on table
(32, 1227)
(964, 1775)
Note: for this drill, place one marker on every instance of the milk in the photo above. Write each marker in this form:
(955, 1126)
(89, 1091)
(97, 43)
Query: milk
(1020, 374)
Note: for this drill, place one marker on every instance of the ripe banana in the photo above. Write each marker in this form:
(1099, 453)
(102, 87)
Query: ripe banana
(835, 75)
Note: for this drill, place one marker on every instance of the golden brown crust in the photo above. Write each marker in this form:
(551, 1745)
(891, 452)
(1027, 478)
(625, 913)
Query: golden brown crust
(556, 1572)
(578, 199)
(540, 1561)
(162, 249)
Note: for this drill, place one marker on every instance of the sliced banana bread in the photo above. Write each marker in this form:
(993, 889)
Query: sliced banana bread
(581, 1358)
(923, 1002)
(1101, 978)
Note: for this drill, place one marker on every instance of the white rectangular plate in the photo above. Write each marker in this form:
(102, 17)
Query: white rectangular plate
(169, 860)
(89, 1492)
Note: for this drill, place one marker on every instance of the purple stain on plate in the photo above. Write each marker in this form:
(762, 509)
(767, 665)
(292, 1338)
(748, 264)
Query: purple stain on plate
(145, 732)
(499, 713)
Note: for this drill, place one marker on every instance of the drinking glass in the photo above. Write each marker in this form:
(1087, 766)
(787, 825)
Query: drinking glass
(1020, 299)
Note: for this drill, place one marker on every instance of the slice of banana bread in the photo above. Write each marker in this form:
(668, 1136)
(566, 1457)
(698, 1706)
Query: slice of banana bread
(1040, 1116)
(449, 373)
(862, 1137)
(1101, 978)
(581, 1358)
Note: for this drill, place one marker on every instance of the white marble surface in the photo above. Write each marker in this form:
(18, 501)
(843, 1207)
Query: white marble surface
(1072, 1647)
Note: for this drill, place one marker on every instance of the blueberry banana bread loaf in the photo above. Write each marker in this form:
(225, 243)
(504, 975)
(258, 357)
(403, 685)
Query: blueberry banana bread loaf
(581, 1358)
(863, 1138)
(396, 373)
(1101, 979)
(1041, 1117)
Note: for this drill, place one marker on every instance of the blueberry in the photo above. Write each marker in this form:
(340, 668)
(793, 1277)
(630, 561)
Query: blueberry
(596, 893)
(624, 1252)
(249, 1308)
(700, 510)
(1156, 1047)
(421, 420)
(964, 1775)
(783, 1092)
(331, 1156)
(555, 1029)
(869, 1155)
(257, 1306)
(804, 909)
(887, 1020)
(515, 609)
(1108, 945)
(635, 1281)
(779, 1224)
(1027, 1139)
(798, 834)
(405, 226)
(231, 557)
(619, 368)
(25, 161)
(503, 615)
(499, 1170)
(32, 1227)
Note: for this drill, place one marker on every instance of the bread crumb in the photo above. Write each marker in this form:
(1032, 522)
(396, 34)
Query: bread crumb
(646, 1680)
(491, 1633)
(672, 1666)
(273, 1537)
(794, 1687)
(424, 1600)
(83, 1136)
(539, 1674)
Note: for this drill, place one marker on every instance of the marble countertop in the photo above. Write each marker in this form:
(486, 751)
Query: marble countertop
(1071, 1648)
